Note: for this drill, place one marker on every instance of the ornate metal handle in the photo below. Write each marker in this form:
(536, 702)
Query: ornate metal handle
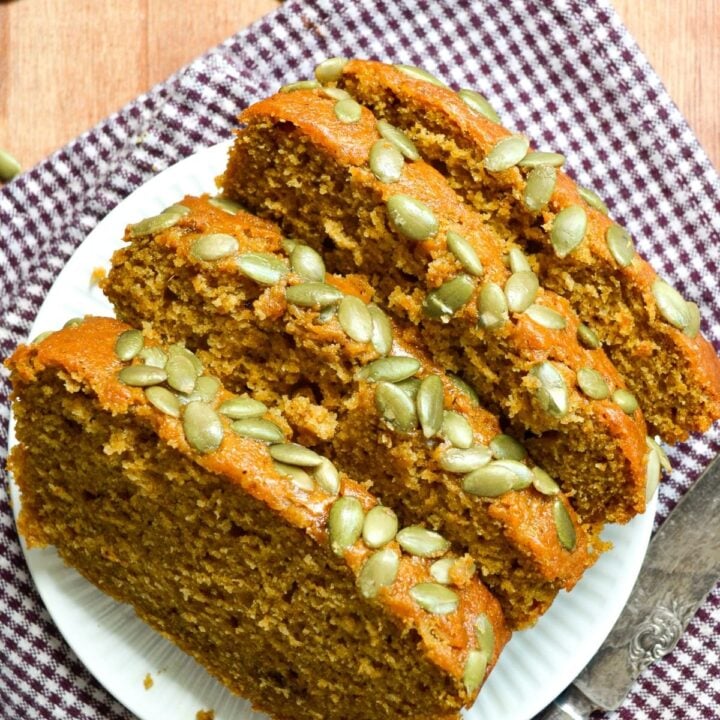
(570, 705)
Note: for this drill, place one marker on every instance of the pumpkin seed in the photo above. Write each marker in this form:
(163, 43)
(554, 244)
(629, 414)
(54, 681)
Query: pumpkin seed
(592, 383)
(206, 389)
(671, 304)
(479, 104)
(489, 481)
(288, 245)
(155, 224)
(226, 204)
(327, 477)
(652, 474)
(398, 138)
(214, 246)
(568, 229)
(523, 474)
(464, 388)
(335, 93)
(626, 400)
(420, 74)
(142, 375)
(395, 407)
(164, 400)
(435, 598)
(564, 525)
(300, 85)
(294, 454)
(538, 158)
(521, 289)
(593, 199)
(381, 336)
(517, 261)
(459, 460)
(330, 70)
(242, 407)
(664, 460)
(552, 395)
(546, 317)
(307, 263)
(153, 356)
(492, 307)
(539, 187)
(345, 523)
(464, 253)
(258, 429)
(9, 166)
(588, 337)
(390, 369)
(440, 570)
(620, 244)
(543, 483)
(411, 218)
(449, 297)
(378, 572)
(347, 110)
(485, 634)
(181, 374)
(506, 447)
(386, 161)
(380, 526)
(313, 295)
(177, 349)
(693, 327)
(42, 336)
(457, 429)
(418, 541)
(430, 403)
(355, 319)
(506, 153)
(297, 476)
(74, 322)
(410, 387)
(263, 268)
(202, 427)
(129, 344)
(326, 314)
(474, 671)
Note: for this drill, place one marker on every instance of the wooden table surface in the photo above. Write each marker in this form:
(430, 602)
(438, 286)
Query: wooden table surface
(65, 64)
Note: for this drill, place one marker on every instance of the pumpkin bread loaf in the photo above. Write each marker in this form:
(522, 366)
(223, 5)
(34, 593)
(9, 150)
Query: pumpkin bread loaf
(228, 547)
(328, 173)
(265, 317)
(647, 329)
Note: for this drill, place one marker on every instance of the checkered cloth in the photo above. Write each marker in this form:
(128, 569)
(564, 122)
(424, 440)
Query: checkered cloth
(564, 72)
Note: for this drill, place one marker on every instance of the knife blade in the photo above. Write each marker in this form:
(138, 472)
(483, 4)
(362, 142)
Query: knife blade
(681, 567)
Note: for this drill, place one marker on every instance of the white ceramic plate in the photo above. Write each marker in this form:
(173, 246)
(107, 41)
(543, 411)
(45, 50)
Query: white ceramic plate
(119, 649)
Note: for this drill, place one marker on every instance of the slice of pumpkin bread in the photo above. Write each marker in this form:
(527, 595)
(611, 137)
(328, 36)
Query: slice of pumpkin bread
(647, 329)
(228, 547)
(264, 316)
(320, 167)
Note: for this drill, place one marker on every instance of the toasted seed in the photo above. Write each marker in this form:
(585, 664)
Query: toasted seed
(588, 337)
(390, 369)
(326, 314)
(479, 104)
(9, 166)
(564, 525)
(459, 460)
(411, 218)
(258, 429)
(327, 477)
(129, 344)
(226, 204)
(398, 138)
(457, 429)
(464, 388)
(671, 304)
(242, 407)
(421, 542)
(430, 402)
(164, 400)
(155, 224)
(593, 199)
(381, 336)
(380, 526)
(664, 460)
(294, 454)
(181, 374)
(297, 475)
(378, 572)
(543, 483)
(214, 246)
(74, 322)
(206, 389)
(546, 317)
(386, 161)
(523, 474)
(440, 570)
(539, 187)
(313, 294)
(492, 307)
(177, 349)
(693, 327)
(449, 297)
(335, 93)
(538, 158)
(202, 427)
(42, 336)
(506, 153)
(568, 229)
(485, 634)
(620, 244)
(347, 110)
(420, 74)
(300, 85)
(330, 70)
(489, 481)
(626, 400)
(179, 208)
(263, 268)
(355, 319)
(521, 289)
(345, 523)
(410, 387)
(396, 407)
(652, 474)
(506, 447)
(142, 375)
(153, 356)
(592, 383)
(464, 253)
(288, 245)
(435, 598)
(307, 263)
(474, 671)
(552, 395)
(517, 261)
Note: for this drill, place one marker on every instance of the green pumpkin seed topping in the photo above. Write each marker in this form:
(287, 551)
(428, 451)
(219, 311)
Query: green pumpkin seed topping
(490, 481)
(587, 337)
(181, 373)
(411, 218)
(330, 70)
(396, 407)
(464, 253)
(506, 153)
(620, 244)
(474, 671)
(42, 336)
(347, 111)
(390, 369)
(380, 527)
(492, 307)
(381, 337)
(378, 572)
(242, 407)
(258, 429)
(568, 229)
(457, 430)
(593, 199)
(419, 74)
(479, 104)
(543, 483)
(398, 138)
(327, 477)
(164, 400)
(355, 319)
(523, 474)
(313, 295)
(449, 297)
(215, 246)
(156, 223)
(206, 389)
(294, 454)
(465, 389)
(386, 161)
(671, 304)
(652, 474)
(153, 356)
(435, 598)
(300, 85)
(564, 525)
(592, 383)
(297, 476)
(345, 523)
(226, 204)
(552, 394)
(142, 376)
(546, 317)
(459, 460)
(202, 427)
(430, 403)
(517, 261)
(307, 263)
(326, 314)
(521, 289)
(74, 322)
(506, 447)
(129, 344)
(440, 570)
(485, 634)
(418, 541)
(664, 460)
(335, 93)
(693, 327)
(626, 400)
(177, 349)
(263, 268)
(539, 187)
(538, 158)
(410, 387)
(9, 166)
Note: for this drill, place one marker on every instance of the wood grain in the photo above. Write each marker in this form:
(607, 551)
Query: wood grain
(66, 64)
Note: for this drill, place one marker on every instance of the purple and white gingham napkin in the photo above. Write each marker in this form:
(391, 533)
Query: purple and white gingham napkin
(564, 72)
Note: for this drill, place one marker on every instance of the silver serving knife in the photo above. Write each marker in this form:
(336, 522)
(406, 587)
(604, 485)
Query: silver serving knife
(681, 567)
